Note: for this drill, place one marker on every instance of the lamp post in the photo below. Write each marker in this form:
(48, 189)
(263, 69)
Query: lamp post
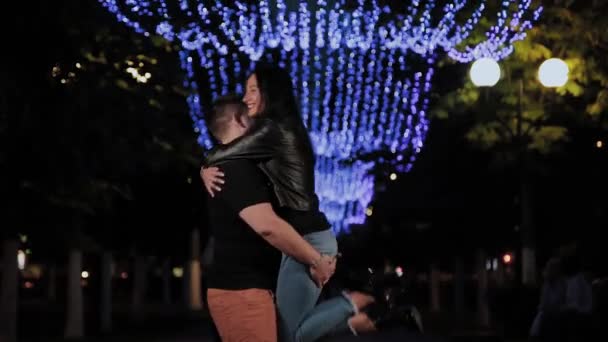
(552, 73)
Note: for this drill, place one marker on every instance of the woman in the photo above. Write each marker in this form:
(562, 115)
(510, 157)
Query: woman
(280, 142)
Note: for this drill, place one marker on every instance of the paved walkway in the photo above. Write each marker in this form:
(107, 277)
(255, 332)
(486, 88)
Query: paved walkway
(163, 323)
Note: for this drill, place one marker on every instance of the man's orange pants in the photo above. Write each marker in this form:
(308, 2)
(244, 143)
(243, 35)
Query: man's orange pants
(243, 315)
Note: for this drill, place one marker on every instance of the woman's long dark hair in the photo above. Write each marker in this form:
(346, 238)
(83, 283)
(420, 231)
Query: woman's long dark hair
(279, 102)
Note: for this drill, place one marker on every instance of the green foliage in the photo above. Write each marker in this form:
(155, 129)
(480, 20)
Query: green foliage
(486, 135)
(572, 30)
(546, 137)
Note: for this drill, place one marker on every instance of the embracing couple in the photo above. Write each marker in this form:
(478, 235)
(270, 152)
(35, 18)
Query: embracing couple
(262, 202)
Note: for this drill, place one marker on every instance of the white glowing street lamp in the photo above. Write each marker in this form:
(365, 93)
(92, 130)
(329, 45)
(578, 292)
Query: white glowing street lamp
(485, 72)
(553, 73)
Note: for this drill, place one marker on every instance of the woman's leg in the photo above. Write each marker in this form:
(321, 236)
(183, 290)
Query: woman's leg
(333, 317)
(297, 294)
(325, 318)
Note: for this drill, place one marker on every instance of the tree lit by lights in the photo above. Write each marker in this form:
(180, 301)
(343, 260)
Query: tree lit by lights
(65, 74)
(134, 72)
(55, 71)
(135, 66)
(362, 73)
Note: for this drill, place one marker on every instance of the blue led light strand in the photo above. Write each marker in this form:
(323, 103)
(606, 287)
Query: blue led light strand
(358, 95)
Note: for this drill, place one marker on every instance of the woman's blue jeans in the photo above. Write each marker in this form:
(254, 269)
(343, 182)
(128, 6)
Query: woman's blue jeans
(300, 318)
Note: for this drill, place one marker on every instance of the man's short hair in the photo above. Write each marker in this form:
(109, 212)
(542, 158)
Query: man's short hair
(224, 109)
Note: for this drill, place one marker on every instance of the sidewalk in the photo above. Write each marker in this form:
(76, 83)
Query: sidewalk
(41, 321)
(162, 323)
(462, 327)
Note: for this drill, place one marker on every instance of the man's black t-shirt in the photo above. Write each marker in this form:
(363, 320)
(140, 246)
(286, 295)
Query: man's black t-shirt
(241, 259)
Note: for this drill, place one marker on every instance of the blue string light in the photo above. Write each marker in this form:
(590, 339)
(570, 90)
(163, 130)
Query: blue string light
(352, 67)
(354, 28)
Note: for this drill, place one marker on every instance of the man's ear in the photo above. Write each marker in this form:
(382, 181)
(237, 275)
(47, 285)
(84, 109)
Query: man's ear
(243, 120)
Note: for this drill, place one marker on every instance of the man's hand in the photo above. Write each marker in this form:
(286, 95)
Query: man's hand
(212, 178)
(323, 270)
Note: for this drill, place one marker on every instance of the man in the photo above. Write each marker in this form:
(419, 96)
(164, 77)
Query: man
(245, 228)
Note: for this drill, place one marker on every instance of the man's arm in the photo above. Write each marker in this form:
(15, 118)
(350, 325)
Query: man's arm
(249, 196)
(280, 234)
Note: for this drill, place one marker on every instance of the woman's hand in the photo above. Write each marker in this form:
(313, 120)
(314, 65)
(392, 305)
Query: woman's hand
(213, 178)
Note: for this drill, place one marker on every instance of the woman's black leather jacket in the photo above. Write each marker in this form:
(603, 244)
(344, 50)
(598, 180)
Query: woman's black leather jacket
(282, 154)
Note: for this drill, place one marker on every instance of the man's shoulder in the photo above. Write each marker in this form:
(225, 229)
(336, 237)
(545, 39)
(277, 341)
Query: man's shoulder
(238, 166)
(245, 184)
(242, 174)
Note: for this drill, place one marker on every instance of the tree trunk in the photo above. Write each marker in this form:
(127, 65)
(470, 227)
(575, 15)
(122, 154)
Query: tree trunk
(74, 327)
(139, 287)
(435, 285)
(186, 284)
(9, 291)
(195, 302)
(458, 285)
(482, 290)
(500, 274)
(528, 253)
(166, 281)
(51, 291)
(106, 293)
(194, 272)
